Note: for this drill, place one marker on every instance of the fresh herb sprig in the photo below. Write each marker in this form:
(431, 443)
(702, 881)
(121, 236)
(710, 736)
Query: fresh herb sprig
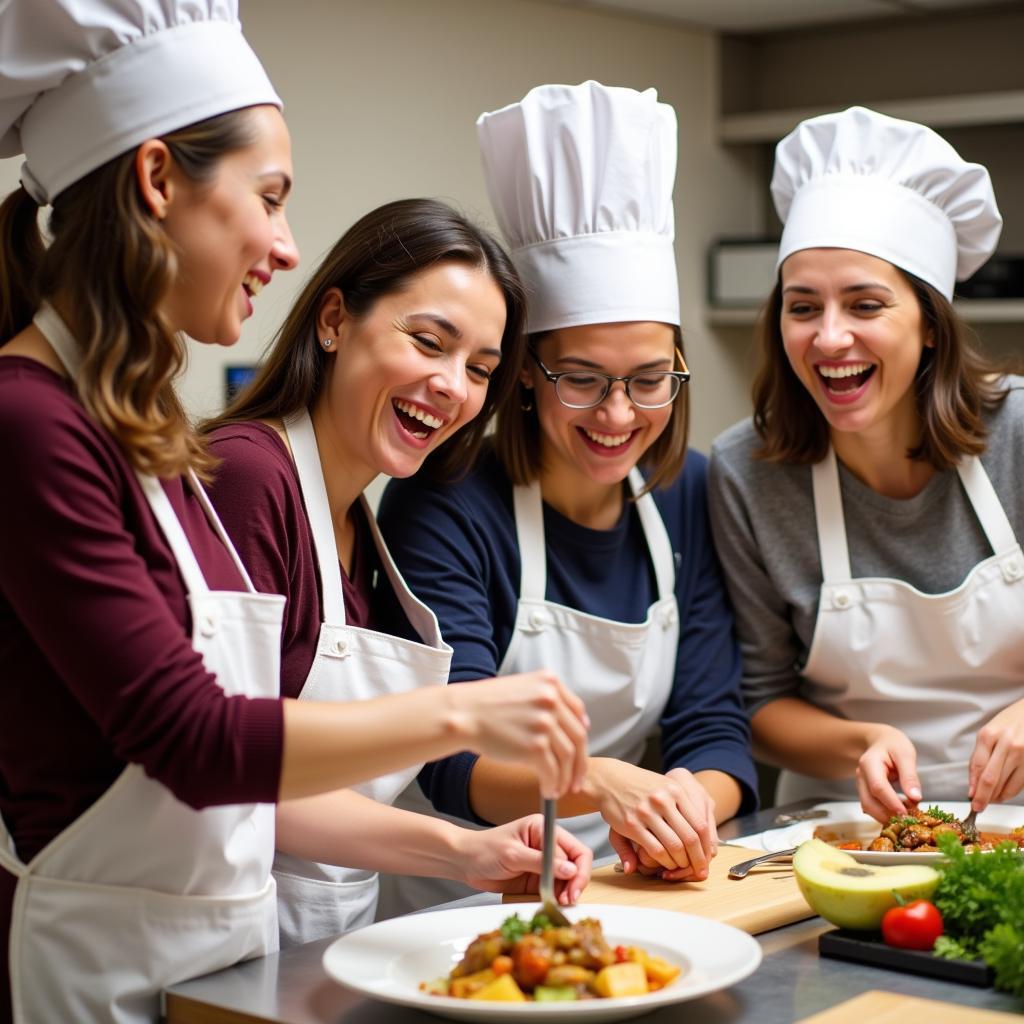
(515, 927)
(981, 899)
(934, 812)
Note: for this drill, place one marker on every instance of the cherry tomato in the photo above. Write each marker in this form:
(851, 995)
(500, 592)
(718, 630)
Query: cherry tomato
(621, 954)
(916, 925)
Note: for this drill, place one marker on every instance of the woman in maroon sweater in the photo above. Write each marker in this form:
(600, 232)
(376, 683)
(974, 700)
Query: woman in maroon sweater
(396, 352)
(143, 737)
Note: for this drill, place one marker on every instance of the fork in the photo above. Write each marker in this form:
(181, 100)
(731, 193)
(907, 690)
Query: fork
(969, 827)
(547, 870)
(742, 869)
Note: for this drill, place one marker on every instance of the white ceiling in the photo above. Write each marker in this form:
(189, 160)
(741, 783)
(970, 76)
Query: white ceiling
(761, 15)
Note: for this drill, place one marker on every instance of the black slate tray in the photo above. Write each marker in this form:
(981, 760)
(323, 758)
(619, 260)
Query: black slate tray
(868, 948)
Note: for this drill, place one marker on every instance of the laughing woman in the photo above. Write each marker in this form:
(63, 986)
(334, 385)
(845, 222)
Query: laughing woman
(868, 517)
(144, 741)
(402, 341)
(556, 550)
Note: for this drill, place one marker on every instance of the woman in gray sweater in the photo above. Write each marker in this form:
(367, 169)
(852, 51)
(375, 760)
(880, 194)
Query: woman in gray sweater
(867, 516)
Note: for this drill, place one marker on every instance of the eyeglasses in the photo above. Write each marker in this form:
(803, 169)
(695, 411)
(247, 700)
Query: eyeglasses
(583, 389)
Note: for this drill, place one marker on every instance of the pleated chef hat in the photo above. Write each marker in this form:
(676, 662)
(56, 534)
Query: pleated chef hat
(83, 81)
(894, 189)
(580, 178)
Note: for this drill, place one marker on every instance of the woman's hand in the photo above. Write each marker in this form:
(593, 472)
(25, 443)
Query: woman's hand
(996, 769)
(532, 719)
(889, 758)
(507, 858)
(670, 818)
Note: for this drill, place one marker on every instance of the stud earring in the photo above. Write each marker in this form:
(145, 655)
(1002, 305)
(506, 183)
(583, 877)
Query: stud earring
(327, 342)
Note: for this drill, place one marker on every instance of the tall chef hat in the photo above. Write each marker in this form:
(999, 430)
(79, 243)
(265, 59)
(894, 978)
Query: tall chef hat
(580, 178)
(894, 189)
(84, 81)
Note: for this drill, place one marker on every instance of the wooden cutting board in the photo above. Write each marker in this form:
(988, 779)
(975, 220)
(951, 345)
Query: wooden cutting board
(892, 1008)
(767, 898)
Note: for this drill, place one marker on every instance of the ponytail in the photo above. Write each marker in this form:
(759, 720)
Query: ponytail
(21, 255)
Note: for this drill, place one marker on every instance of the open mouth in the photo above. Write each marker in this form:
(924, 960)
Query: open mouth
(606, 444)
(844, 380)
(252, 285)
(414, 420)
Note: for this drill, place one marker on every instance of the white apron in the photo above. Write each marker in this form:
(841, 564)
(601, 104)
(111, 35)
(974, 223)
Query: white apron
(141, 891)
(320, 900)
(624, 671)
(936, 666)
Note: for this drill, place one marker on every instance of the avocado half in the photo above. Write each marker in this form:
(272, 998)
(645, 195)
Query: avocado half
(854, 895)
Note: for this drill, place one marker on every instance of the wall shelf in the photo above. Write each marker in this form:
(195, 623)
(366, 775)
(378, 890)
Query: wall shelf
(974, 311)
(960, 111)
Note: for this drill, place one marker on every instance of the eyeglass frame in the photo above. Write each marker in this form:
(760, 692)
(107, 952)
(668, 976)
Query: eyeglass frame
(683, 376)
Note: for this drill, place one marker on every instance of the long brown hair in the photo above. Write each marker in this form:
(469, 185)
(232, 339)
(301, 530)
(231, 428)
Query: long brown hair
(954, 386)
(112, 266)
(517, 435)
(374, 258)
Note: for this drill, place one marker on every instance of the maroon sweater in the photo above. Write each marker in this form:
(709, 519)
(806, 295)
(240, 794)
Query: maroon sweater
(257, 496)
(95, 657)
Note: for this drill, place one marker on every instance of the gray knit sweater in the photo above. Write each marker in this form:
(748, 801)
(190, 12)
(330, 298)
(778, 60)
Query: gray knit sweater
(762, 518)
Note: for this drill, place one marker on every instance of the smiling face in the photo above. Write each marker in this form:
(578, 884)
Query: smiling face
(584, 449)
(853, 332)
(231, 232)
(408, 374)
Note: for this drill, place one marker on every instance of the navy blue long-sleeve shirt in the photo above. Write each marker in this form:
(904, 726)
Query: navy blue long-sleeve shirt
(456, 546)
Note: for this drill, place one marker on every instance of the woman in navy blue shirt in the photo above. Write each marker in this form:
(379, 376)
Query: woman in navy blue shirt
(556, 550)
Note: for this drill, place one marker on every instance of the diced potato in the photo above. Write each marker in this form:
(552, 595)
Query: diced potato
(502, 990)
(463, 988)
(660, 971)
(618, 980)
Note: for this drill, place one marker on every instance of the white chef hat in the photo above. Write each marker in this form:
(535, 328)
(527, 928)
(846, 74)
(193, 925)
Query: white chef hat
(84, 81)
(894, 189)
(580, 178)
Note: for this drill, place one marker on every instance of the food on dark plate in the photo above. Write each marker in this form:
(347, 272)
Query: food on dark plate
(534, 961)
(918, 830)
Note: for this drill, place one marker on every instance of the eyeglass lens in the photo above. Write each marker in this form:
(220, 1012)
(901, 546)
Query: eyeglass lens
(649, 390)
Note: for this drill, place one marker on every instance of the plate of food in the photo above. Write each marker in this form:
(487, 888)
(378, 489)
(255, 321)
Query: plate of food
(483, 964)
(908, 840)
(911, 838)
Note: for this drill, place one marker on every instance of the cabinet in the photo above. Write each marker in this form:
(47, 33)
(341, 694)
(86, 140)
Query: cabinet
(960, 73)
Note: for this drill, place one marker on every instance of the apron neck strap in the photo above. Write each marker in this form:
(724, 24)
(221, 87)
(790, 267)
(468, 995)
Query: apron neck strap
(306, 455)
(61, 340)
(828, 511)
(986, 503)
(658, 542)
(188, 566)
(420, 616)
(528, 505)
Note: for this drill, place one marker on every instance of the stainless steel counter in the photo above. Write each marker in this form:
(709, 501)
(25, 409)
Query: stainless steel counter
(791, 983)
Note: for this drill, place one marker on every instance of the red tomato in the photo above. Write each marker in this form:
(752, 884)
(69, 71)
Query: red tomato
(916, 925)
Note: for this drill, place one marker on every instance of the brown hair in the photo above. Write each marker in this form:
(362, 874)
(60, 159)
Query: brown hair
(112, 266)
(517, 436)
(376, 257)
(955, 384)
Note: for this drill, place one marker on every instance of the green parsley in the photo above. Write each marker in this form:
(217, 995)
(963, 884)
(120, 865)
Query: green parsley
(934, 812)
(981, 899)
(514, 928)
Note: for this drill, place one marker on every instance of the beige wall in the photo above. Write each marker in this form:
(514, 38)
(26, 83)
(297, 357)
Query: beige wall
(381, 98)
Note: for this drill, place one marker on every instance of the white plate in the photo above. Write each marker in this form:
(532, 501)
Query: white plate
(388, 960)
(847, 817)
